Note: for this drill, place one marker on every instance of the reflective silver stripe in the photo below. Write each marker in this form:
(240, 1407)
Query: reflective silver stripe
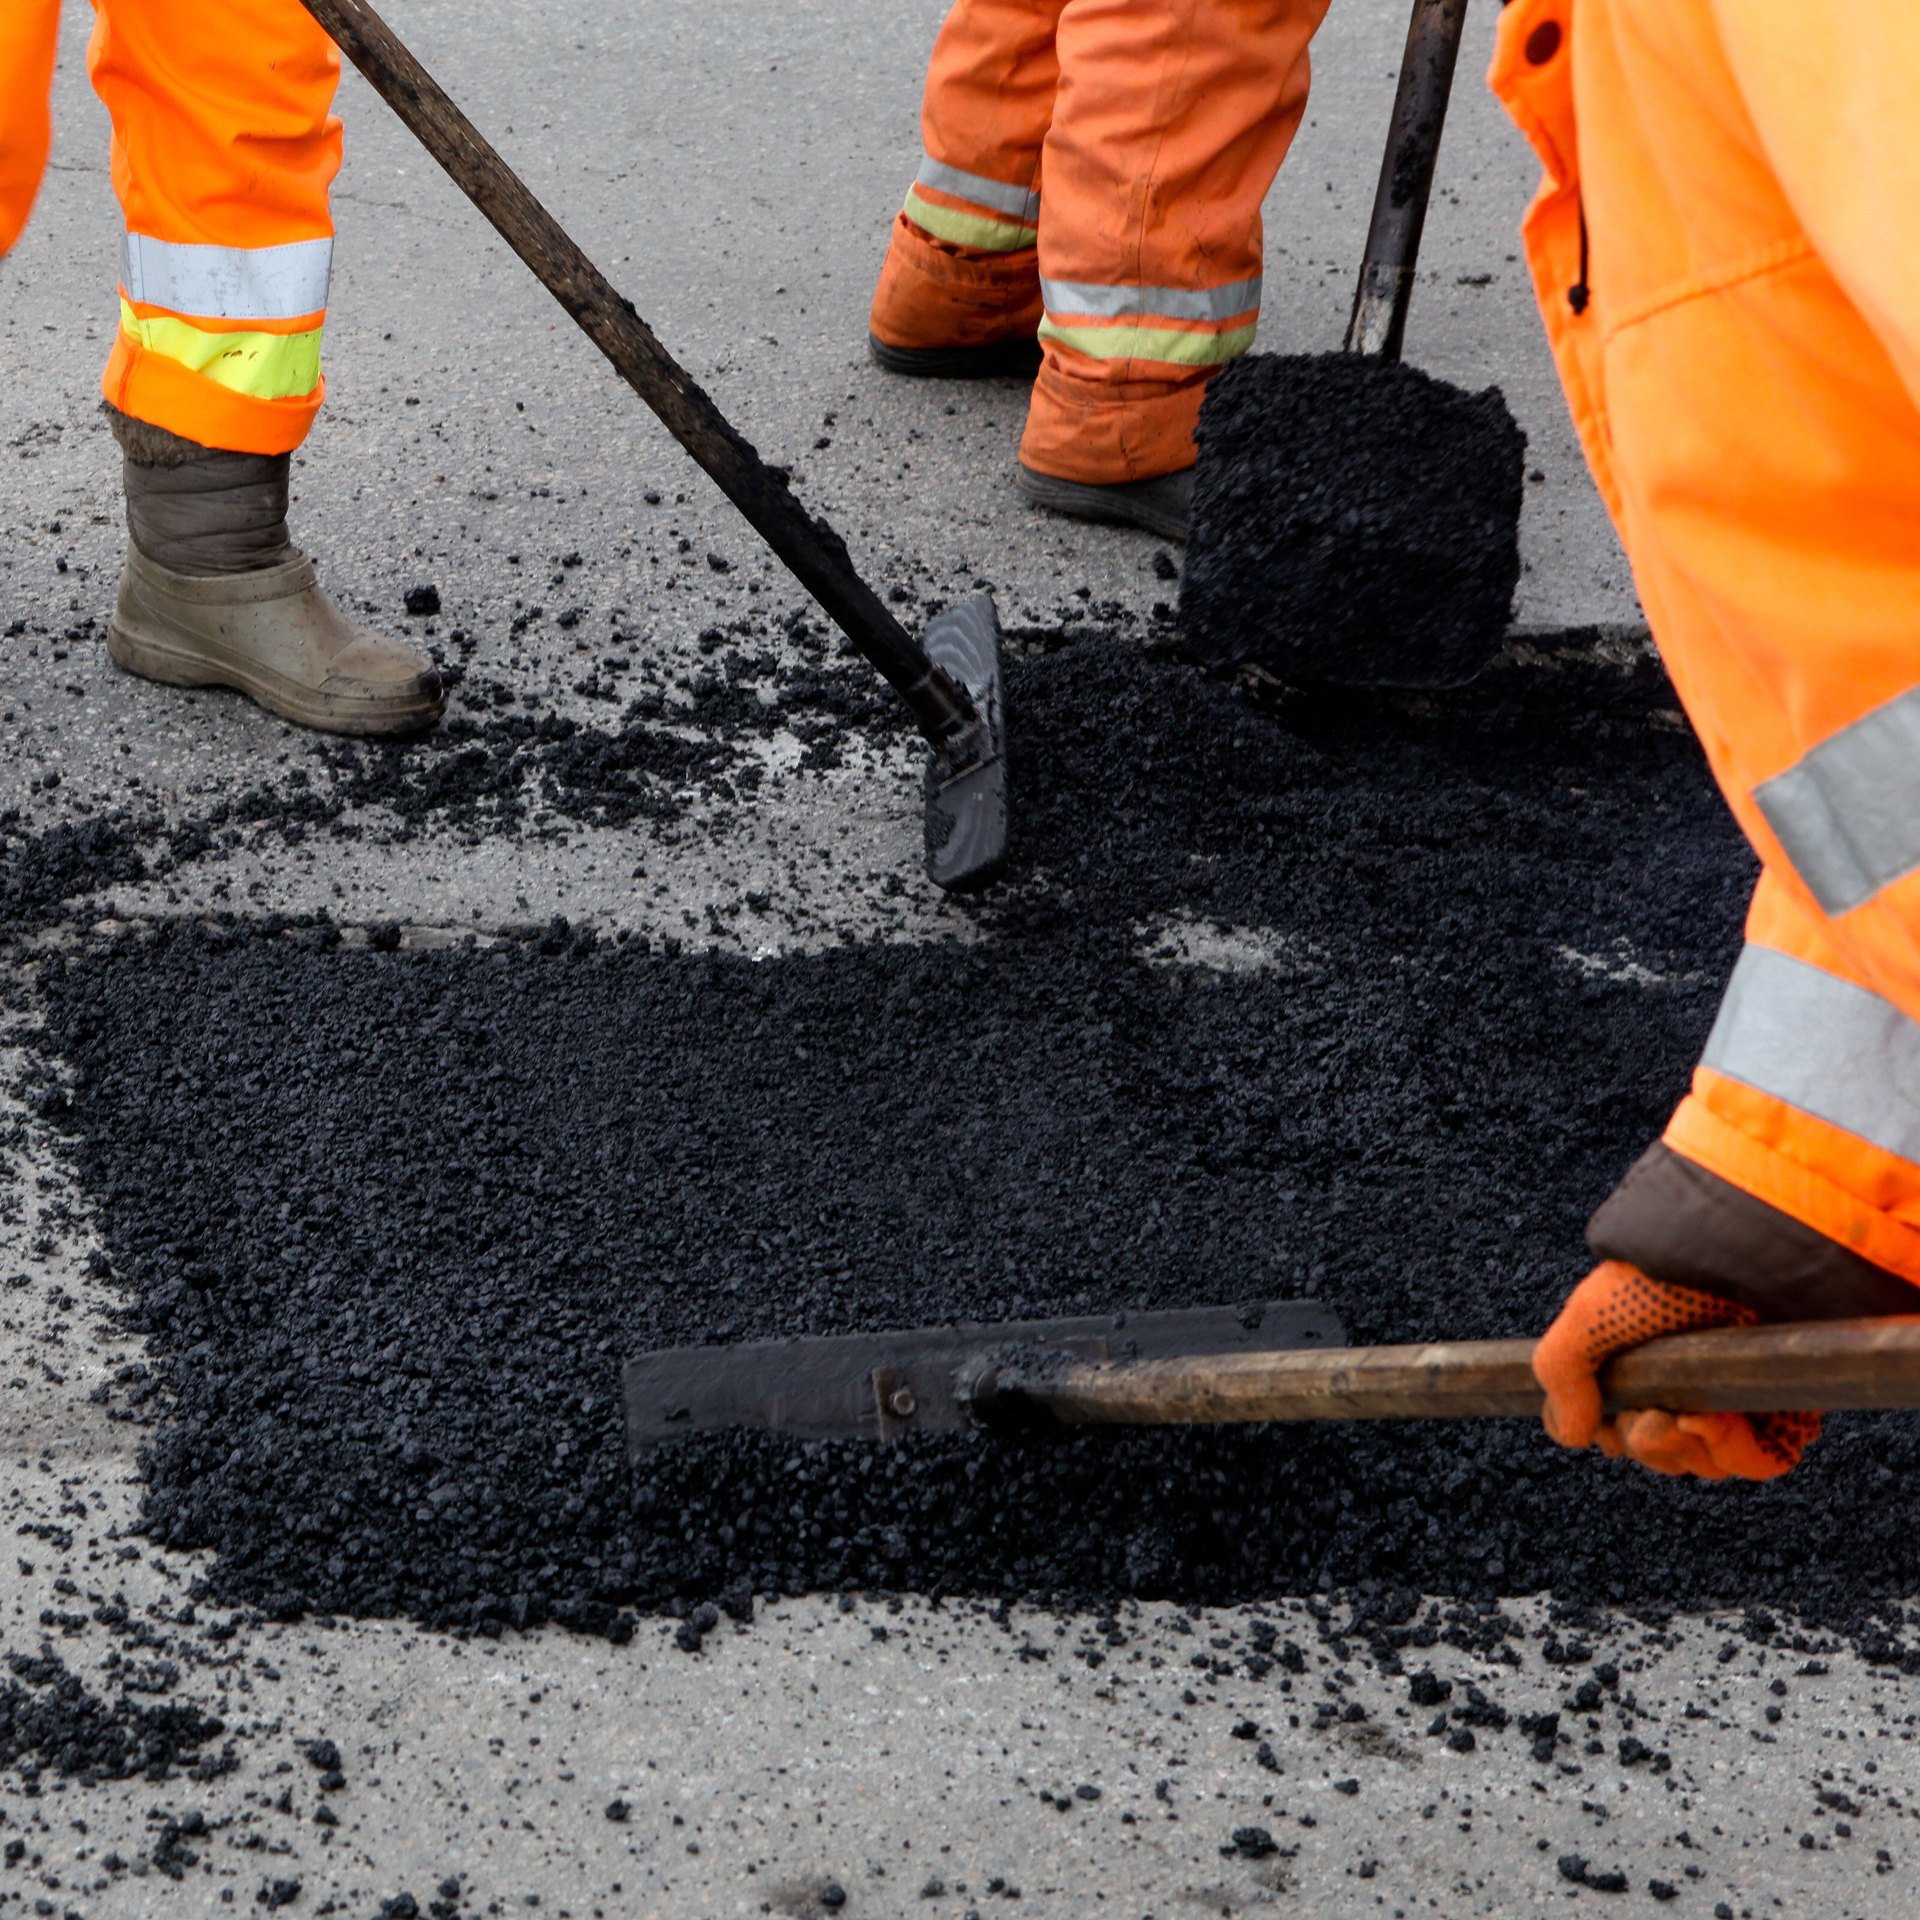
(1154, 303)
(1822, 1044)
(1849, 813)
(1016, 202)
(228, 283)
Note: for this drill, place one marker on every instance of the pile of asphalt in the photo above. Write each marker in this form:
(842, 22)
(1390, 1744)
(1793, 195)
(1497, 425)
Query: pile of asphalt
(1356, 522)
(391, 1221)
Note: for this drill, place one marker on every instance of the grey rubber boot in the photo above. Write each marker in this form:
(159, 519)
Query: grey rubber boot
(1161, 505)
(215, 595)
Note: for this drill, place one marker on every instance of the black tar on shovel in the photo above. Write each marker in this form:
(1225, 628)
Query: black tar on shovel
(951, 680)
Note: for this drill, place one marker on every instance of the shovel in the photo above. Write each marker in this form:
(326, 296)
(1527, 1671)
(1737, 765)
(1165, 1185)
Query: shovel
(950, 681)
(1282, 1360)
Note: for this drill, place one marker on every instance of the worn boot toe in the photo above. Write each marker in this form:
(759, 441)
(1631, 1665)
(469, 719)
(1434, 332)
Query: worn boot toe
(275, 636)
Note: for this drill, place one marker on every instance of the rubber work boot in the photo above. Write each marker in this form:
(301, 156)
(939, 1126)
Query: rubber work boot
(1016, 359)
(1161, 505)
(215, 595)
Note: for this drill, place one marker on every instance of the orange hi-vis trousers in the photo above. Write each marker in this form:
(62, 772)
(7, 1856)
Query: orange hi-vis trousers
(224, 148)
(1093, 172)
(1726, 249)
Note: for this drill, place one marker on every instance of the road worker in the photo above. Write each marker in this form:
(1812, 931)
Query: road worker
(1726, 249)
(1089, 201)
(224, 147)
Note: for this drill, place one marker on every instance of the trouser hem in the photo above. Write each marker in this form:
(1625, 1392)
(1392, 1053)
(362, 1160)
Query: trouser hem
(933, 294)
(1103, 432)
(148, 386)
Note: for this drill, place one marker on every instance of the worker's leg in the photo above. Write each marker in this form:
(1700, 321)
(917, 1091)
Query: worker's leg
(28, 31)
(1760, 449)
(961, 268)
(224, 148)
(1171, 120)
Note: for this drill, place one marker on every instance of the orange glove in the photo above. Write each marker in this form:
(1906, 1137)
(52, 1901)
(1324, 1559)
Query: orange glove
(1616, 1307)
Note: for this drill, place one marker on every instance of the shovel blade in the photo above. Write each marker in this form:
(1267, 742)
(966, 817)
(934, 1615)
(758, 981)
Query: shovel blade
(966, 811)
(881, 1386)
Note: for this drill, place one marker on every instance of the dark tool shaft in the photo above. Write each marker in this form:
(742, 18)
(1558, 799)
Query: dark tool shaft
(1379, 321)
(1817, 1366)
(812, 551)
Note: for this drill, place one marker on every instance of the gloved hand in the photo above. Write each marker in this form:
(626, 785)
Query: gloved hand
(1616, 1307)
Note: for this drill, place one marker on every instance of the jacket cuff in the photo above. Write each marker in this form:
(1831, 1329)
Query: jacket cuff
(1679, 1223)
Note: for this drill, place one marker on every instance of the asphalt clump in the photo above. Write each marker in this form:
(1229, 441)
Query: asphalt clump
(52, 1722)
(1356, 522)
(390, 1221)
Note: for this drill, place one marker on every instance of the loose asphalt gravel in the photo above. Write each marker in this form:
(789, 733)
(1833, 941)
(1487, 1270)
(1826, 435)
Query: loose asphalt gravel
(389, 1221)
(1359, 997)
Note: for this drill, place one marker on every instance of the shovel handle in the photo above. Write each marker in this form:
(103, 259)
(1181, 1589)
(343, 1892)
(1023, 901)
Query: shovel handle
(1810, 1366)
(1379, 320)
(815, 555)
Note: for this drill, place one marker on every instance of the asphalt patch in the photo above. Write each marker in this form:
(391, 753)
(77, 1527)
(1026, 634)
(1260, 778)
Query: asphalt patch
(390, 1221)
(1356, 522)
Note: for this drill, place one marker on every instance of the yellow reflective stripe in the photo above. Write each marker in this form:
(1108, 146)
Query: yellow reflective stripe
(263, 366)
(977, 230)
(1164, 344)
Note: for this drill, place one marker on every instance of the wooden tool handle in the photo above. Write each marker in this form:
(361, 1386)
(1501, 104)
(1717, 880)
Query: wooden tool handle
(1817, 1365)
(812, 551)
